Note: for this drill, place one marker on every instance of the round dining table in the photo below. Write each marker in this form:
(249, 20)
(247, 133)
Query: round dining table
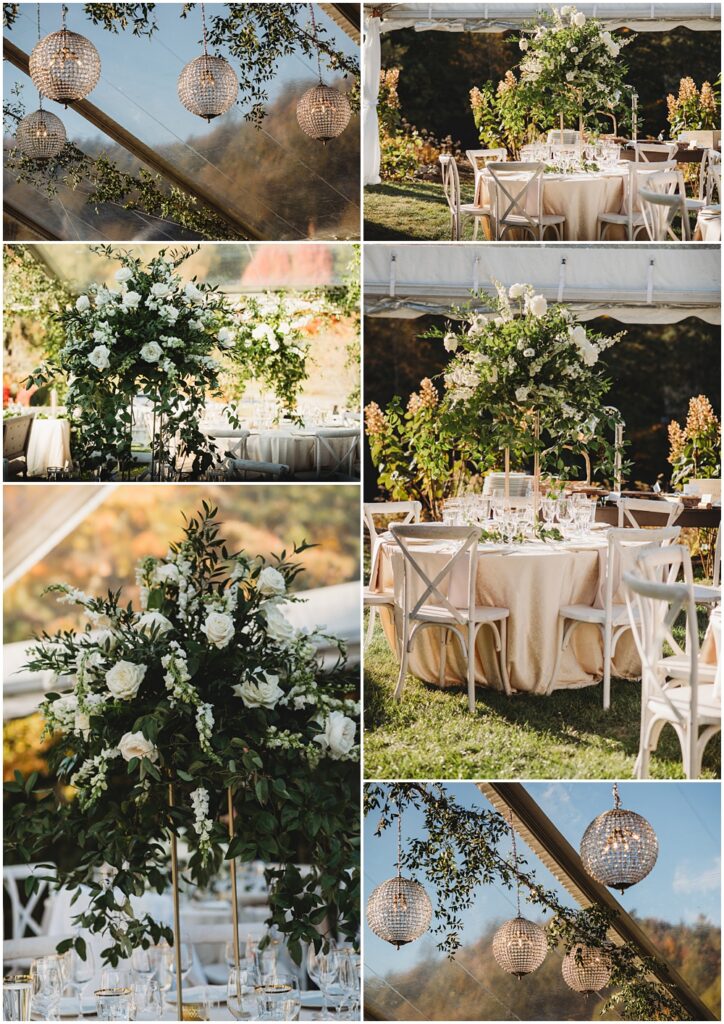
(579, 197)
(48, 445)
(287, 445)
(533, 581)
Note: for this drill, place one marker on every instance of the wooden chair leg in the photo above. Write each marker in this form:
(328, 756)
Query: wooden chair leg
(370, 627)
(503, 657)
(471, 666)
(606, 669)
(404, 656)
(443, 656)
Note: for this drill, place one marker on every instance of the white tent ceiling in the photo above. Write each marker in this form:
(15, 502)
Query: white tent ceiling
(632, 284)
(497, 17)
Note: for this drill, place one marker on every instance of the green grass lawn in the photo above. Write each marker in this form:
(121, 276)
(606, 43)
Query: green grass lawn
(411, 210)
(431, 733)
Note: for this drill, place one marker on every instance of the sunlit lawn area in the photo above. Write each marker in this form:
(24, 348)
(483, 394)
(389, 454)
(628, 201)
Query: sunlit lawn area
(413, 210)
(431, 734)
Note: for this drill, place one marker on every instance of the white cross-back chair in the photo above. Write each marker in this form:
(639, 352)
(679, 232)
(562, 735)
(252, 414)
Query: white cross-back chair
(611, 619)
(666, 512)
(517, 200)
(334, 459)
(458, 209)
(18, 954)
(692, 709)
(448, 600)
(567, 137)
(410, 512)
(716, 574)
(630, 218)
(662, 200)
(654, 152)
(22, 907)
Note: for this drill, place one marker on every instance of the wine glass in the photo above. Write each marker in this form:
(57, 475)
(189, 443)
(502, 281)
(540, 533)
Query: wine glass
(240, 995)
(144, 969)
(323, 969)
(47, 986)
(349, 979)
(80, 972)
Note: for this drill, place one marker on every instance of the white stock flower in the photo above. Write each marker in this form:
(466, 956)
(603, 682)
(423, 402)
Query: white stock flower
(150, 621)
(261, 331)
(135, 744)
(538, 305)
(271, 582)
(450, 342)
(99, 357)
(166, 573)
(278, 627)
(124, 679)
(129, 300)
(82, 303)
(64, 710)
(260, 692)
(339, 735)
(151, 352)
(273, 344)
(219, 629)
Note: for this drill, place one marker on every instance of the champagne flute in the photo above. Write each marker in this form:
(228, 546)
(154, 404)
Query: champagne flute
(325, 966)
(239, 994)
(80, 972)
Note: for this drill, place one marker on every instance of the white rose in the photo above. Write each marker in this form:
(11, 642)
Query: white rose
(82, 303)
(278, 627)
(160, 290)
(153, 620)
(260, 692)
(99, 357)
(271, 582)
(523, 44)
(124, 679)
(450, 342)
(123, 275)
(166, 573)
(130, 299)
(538, 305)
(521, 394)
(570, 75)
(565, 11)
(219, 629)
(590, 354)
(339, 734)
(273, 344)
(528, 353)
(192, 292)
(135, 744)
(169, 313)
(104, 638)
(516, 291)
(260, 332)
(578, 335)
(579, 19)
(225, 337)
(151, 352)
(284, 328)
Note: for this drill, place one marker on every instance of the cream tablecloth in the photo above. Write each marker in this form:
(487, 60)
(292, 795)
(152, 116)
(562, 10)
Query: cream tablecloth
(708, 227)
(533, 581)
(580, 198)
(288, 446)
(48, 445)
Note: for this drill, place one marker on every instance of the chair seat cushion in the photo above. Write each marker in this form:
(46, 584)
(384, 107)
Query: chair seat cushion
(476, 211)
(676, 666)
(547, 218)
(433, 613)
(706, 595)
(377, 597)
(584, 613)
(620, 218)
(680, 697)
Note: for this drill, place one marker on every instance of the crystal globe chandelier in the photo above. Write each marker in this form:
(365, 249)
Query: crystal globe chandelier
(65, 66)
(208, 85)
(40, 135)
(323, 113)
(399, 910)
(519, 946)
(586, 969)
(619, 847)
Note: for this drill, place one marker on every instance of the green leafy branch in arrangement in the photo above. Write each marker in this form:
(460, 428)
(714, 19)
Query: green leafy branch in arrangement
(144, 192)
(459, 853)
(344, 301)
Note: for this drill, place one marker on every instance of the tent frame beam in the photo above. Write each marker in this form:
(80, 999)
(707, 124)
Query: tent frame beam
(585, 888)
(144, 153)
(29, 223)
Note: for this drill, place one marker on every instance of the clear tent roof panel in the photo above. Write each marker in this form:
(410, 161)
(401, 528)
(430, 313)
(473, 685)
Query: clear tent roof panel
(230, 157)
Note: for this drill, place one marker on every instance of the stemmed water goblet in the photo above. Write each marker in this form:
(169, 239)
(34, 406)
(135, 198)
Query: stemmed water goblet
(349, 980)
(80, 972)
(322, 969)
(47, 986)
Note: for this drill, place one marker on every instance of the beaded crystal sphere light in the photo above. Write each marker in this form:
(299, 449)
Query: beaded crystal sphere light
(207, 86)
(619, 847)
(399, 911)
(65, 66)
(323, 113)
(586, 969)
(520, 947)
(40, 135)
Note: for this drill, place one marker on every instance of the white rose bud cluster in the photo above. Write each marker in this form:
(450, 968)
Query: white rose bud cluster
(124, 679)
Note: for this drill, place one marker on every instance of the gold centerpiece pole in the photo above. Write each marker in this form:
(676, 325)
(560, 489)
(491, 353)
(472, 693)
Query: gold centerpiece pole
(234, 901)
(176, 912)
(506, 457)
(536, 466)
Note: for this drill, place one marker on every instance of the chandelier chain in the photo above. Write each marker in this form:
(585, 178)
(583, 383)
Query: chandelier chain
(40, 95)
(316, 44)
(203, 26)
(616, 796)
(399, 838)
(65, 15)
(515, 865)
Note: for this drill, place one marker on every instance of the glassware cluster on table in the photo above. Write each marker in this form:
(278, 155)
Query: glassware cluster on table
(512, 520)
(577, 158)
(145, 985)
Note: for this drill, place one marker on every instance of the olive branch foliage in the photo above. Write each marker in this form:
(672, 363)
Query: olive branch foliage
(458, 853)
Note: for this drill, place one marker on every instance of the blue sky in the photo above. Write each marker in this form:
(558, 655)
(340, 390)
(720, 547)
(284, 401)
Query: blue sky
(138, 75)
(684, 883)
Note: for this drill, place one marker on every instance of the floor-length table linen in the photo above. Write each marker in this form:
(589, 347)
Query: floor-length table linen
(48, 445)
(533, 581)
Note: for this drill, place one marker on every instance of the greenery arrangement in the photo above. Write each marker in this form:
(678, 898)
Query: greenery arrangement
(403, 149)
(692, 109)
(267, 341)
(572, 65)
(695, 449)
(344, 302)
(460, 853)
(205, 686)
(153, 336)
(504, 118)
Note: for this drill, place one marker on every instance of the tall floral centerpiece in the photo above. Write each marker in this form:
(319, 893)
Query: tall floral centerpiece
(151, 335)
(268, 341)
(527, 378)
(573, 64)
(208, 688)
